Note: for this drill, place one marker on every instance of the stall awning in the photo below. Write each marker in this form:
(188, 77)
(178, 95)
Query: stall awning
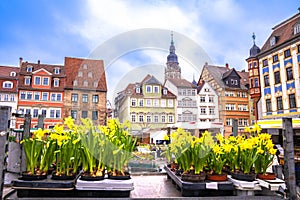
(276, 123)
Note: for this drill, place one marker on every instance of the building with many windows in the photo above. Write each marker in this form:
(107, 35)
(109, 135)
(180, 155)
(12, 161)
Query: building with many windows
(85, 90)
(231, 87)
(148, 105)
(278, 62)
(41, 92)
(9, 87)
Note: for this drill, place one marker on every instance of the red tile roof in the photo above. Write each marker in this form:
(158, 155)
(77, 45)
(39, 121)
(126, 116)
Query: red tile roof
(74, 65)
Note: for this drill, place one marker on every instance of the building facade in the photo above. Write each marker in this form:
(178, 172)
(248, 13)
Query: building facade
(41, 92)
(85, 90)
(148, 105)
(231, 87)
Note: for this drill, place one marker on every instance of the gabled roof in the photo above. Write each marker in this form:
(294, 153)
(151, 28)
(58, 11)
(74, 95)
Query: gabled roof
(74, 65)
(38, 66)
(152, 80)
(5, 72)
(217, 73)
(229, 72)
(179, 82)
(42, 71)
(283, 32)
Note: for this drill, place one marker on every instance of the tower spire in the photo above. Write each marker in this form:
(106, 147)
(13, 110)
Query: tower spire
(253, 37)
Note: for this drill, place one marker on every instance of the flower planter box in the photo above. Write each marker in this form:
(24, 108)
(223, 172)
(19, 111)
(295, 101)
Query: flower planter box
(206, 188)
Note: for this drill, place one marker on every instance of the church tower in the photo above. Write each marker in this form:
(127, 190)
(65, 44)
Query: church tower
(172, 70)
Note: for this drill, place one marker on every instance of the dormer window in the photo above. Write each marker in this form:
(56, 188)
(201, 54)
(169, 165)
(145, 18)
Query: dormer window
(138, 90)
(7, 84)
(29, 68)
(27, 81)
(56, 82)
(273, 41)
(165, 91)
(234, 82)
(56, 70)
(297, 28)
(13, 73)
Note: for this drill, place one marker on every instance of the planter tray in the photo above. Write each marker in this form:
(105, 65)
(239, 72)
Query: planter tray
(273, 185)
(206, 188)
(106, 184)
(247, 185)
(45, 184)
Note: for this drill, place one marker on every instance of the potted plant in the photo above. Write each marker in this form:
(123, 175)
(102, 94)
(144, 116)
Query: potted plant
(67, 153)
(216, 161)
(34, 148)
(266, 154)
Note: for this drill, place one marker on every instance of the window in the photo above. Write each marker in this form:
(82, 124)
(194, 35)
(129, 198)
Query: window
(141, 118)
(58, 97)
(6, 97)
(37, 96)
(35, 113)
(53, 96)
(85, 83)
(170, 118)
(56, 82)
(255, 64)
(156, 102)
(265, 62)
(275, 58)
(45, 81)
(74, 114)
(44, 113)
(279, 103)
(202, 99)
(52, 113)
(95, 84)
(138, 90)
(141, 102)
(165, 91)
(94, 115)
(133, 118)
(45, 96)
(148, 118)
(256, 82)
(228, 122)
(37, 80)
(7, 84)
(13, 73)
(84, 98)
(84, 114)
(287, 53)
(210, 99)
(268, 105)
(29, 96)
(292, 101)
(80, 74)
(155, 118)
(95, 99)
(28, 111)
(240, 122)
(202, 111)
(272, 41)
(56, 70)
(297, 28)
(211, 110)
(289, 73)
(277, 77)
(74, 97)
(250, 65)
(90, 74)
(29, 69)
(163, 118)
(133, 102)
(156, 89)
(75, 83)
(23, 95)
(27, 81)
(163, 103)
(266, 80)
(148, 89)
(12, 97)
(148, 102)
(84, 66)
(234, 82)
(170, 103)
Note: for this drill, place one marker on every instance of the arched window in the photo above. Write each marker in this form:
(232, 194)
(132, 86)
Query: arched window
(297, 28)
(7, 84)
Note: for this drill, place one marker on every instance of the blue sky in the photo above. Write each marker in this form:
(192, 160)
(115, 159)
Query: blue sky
(49, 30)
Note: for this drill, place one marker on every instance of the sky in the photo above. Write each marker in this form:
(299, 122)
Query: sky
(133, 36)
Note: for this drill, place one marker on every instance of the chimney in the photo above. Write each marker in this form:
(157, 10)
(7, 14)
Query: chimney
(39, 62)
(21, 60)
(227, 66)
